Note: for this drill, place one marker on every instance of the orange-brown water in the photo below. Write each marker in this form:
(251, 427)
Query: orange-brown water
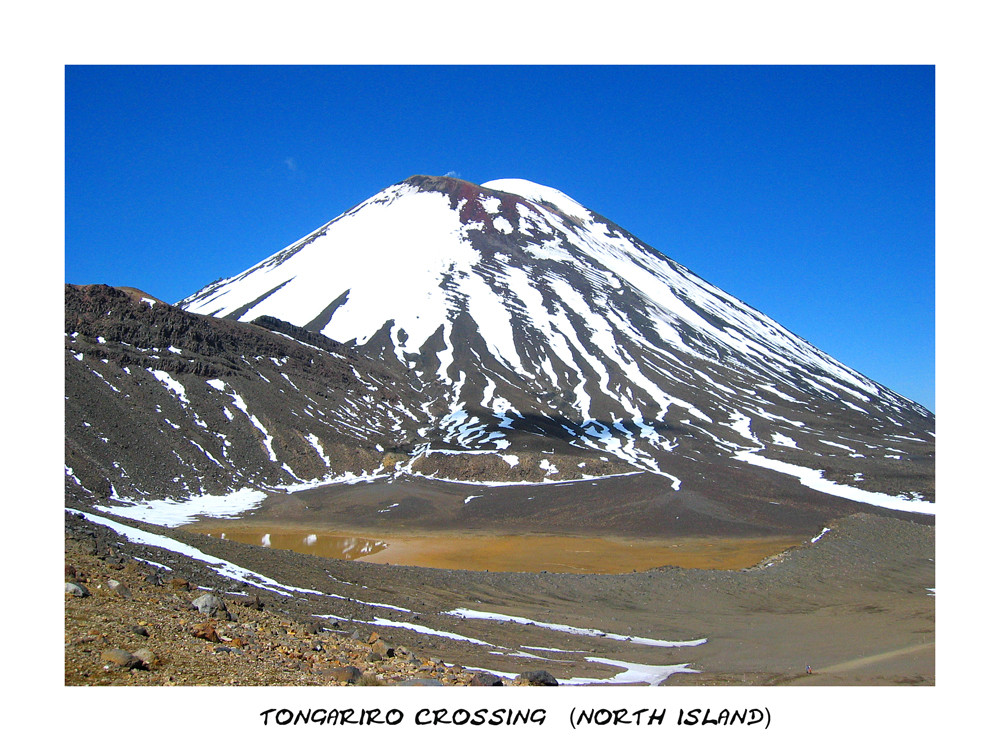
(478, 552)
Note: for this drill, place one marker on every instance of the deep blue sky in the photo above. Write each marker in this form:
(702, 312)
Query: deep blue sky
(807, 192)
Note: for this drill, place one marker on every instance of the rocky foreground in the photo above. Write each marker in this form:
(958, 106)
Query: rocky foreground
(130, 622)
(853, 605)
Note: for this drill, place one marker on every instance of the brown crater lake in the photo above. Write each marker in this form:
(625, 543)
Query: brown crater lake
(498, 552)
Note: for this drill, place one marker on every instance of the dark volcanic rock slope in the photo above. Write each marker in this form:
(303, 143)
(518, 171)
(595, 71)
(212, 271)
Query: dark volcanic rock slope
(164, 403)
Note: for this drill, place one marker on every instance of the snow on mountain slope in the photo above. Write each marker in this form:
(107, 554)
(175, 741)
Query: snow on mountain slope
(531, 321)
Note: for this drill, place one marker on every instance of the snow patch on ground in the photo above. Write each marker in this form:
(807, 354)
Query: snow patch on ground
(314, 441)
(779, 439)
(653, 675)
(813, 478)
(173, 385)
(484, 615)
(817, 537)
(221, 566)
(170, 512)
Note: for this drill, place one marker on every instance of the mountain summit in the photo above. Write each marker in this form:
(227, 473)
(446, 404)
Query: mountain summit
(528, 323)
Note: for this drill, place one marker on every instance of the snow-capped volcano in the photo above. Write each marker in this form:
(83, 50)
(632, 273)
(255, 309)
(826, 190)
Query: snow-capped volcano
(527, 320)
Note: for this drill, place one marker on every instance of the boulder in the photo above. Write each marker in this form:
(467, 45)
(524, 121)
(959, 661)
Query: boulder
(345, 674)
(209, 604)
(205, 631)
(119, 589)
(120, 658)
(536, 678)
(76, 589)
(485, 679)
(148, 657)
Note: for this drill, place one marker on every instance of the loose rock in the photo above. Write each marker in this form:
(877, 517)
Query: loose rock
(148, 657)
(120, 658)
(536, 678)
(209, 604)
(344, 674)
(205, 631)
(119, 589)
(77, 590)
(485, 679)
